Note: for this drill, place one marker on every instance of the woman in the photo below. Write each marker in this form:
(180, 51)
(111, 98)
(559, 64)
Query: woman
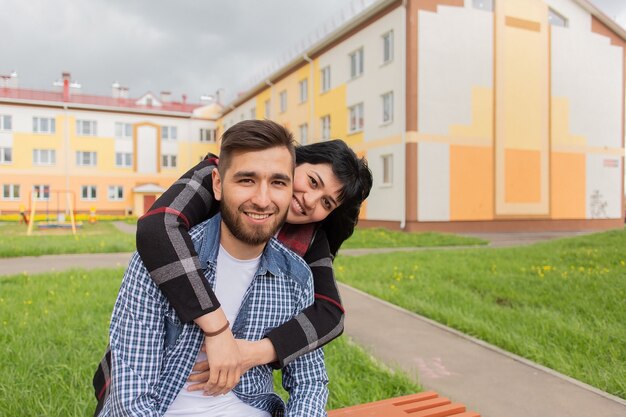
(330, 183)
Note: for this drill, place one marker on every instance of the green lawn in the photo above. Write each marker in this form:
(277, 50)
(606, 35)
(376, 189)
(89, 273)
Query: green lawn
(101, 237)
(383, 238)
(561, 304)
(53, 331)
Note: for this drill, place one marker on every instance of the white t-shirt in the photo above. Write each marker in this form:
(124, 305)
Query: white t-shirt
(232, 279)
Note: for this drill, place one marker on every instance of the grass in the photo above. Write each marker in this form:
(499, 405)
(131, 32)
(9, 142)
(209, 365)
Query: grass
(53, 331)
(383, 238)
(561, 304)
(101, 237)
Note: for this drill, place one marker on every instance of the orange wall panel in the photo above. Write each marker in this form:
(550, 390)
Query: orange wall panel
(568, 185)
(471, 183)
(522, 176)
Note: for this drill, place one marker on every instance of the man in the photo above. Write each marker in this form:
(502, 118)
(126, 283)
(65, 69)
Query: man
(260, 285)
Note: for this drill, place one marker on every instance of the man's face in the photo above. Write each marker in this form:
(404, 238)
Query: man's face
(255, 193)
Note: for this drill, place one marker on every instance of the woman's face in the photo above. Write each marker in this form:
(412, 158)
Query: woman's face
(315, 191)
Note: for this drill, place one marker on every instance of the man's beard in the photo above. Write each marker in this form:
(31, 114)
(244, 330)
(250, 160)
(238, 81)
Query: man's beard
(250, 234)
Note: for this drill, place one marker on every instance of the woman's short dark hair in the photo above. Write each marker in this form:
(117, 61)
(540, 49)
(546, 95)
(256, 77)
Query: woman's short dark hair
(356, 179)
(253, 135)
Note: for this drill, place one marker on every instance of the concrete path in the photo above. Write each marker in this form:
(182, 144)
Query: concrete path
(487, 379)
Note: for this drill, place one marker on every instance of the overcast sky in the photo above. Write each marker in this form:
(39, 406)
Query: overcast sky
(184, 46)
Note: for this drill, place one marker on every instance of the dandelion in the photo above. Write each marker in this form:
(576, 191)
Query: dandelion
(393, 287)
(28, 302)
(547, 268)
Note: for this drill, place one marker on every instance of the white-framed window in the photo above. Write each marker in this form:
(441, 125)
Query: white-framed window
(169, 132)
(41, 192)
(86, 127)
(387, 46)
(325, 76)
(253, 113)
(356, 118)
(44, 125)
(483, 5)
(123, 130)
(10, 191)
(268, 108)
(6, 122)
(123, 159)
(208, 135)
(387, 162)
(304, 133)
(387, 102)
(116, 193)
(88, 192)
(325, 122)
(556, 19)
(86, 158)
(44, 156)
(282, 97)
(168, 161)
(303, 85)
(6, 155)
(356, 63)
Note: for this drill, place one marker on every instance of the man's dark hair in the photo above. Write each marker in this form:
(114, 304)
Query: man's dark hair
(253, 135)
(356, 182)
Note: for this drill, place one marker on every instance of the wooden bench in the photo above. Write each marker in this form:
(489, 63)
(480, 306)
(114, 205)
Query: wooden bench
(424, 404)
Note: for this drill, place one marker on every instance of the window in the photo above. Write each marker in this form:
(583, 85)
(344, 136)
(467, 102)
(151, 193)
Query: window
(11, 192)
(6, 122)
(387, 169)
(208, 135)
(388, 47)
(86, 127)
(325, 72)
(283, 101)
(86, 159)
(356, 118)
(253, 113)
(44, 157)
(387, 100)
(356, 63)
(44, 125)
(268, 113)
(168, 161)
(169, 133)
(326, 127)
(116, 192)
(123, 159)
(304, 90)
(483, 4)
(41, 192)
(123, 130)
(88, 192)
(6, 155)
(304, 133)
(556, 19)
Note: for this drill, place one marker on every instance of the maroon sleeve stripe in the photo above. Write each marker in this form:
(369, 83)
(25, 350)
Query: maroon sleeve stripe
(330, 300)
(168, 210)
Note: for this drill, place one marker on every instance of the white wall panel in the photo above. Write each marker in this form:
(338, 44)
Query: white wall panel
(455, 54)
(386, 201)
(433, 176)
(603, 187)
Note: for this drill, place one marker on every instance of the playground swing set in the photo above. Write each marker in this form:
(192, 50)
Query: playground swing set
(59, 220)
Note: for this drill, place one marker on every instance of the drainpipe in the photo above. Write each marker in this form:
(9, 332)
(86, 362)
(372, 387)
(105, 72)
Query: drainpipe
(403, 54)
(312, 100)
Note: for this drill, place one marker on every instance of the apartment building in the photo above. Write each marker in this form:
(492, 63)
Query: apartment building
(116, 154)
(474, 115)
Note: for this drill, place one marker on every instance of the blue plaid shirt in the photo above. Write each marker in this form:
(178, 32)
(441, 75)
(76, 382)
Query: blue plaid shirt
(153, 352)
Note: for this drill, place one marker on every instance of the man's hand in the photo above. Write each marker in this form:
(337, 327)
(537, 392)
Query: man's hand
(222, 370)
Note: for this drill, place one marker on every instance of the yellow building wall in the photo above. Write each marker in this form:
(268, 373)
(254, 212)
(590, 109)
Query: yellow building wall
(471, 183)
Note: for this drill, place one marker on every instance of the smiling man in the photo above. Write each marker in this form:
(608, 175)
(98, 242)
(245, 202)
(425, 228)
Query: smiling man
(260, 285)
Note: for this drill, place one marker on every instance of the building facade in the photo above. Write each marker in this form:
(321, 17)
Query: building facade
(474, 115)
(63, 151)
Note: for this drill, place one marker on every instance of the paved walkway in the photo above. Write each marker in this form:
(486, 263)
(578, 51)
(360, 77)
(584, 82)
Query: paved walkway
(487, 379)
